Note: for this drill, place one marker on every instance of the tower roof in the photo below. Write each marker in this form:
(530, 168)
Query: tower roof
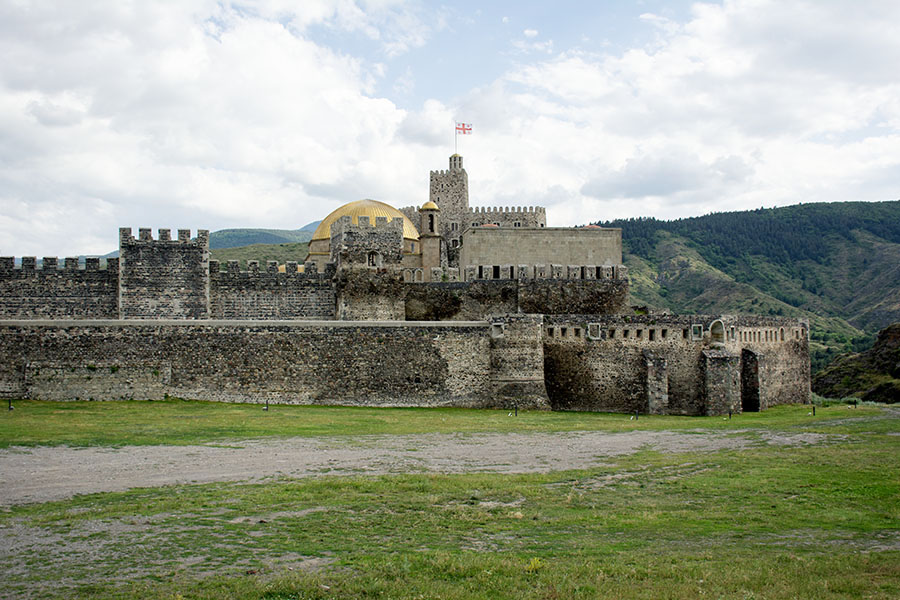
(430, 206)
(364, 208)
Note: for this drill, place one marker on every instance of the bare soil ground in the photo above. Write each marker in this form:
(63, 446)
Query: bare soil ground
(53, 473)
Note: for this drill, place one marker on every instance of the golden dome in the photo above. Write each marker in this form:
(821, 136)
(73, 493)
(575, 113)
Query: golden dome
(364, 208)
(429, 206)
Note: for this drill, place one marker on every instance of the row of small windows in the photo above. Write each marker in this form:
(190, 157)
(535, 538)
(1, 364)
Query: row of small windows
(595, 332)
(769, 335)
(695, 332)
(496, 224)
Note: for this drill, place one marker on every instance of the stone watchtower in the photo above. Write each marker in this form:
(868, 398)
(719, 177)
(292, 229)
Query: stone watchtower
(164, 278)
(450, 192)
(368, 256)
(376, 245)
(433, 254)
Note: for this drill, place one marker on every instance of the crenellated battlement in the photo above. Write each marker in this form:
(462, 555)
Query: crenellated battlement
(145, 235)
(561, 272)
(476, 210)
(163, 278)
(366, 244)
(51, 265)
(271, 270)
(507, 216)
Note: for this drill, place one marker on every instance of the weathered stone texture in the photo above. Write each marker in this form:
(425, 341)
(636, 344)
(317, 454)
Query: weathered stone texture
(270, 295)
(59, 293)
(515, 217)
(367, 244)
(573, 296)
(478, 298)
(163, 279)
(459, 301)
(601, 363)
(517, 362)
(383, 364)
(541, 245)
(721, 382)
(369, 294)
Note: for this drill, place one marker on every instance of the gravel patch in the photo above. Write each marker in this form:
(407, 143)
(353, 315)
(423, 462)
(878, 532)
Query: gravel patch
(43, 474)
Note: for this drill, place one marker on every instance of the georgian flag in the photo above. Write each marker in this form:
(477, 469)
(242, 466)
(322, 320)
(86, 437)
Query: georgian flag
(464, 128)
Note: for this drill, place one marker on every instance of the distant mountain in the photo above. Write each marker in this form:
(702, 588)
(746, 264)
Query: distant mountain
(282, 253)
(871, 375)
(837, 264)
(233, 238)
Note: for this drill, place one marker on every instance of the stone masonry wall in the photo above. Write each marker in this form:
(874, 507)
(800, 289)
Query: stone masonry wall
(595, 362)
(507, 216)
(517, 362)
(360, 244)
(542, 245)
(478, 298)
(268, 294)
(369, 294)
(59, 291)
(164, 278)
(299, 362)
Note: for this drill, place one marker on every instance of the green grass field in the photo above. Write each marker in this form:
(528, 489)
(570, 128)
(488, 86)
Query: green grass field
(769, 522)
(179, 422)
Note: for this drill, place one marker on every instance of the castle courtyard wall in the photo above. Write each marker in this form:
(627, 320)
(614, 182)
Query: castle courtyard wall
(671, 364)
(293, 362)
(478, 298)
(268, 294)
(59, 291)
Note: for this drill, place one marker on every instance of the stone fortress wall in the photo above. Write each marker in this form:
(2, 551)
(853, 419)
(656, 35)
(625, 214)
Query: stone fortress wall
(59, 291)
(664, 364)
(298, 362)
(507, 216)
(531, 317)
(269, 294)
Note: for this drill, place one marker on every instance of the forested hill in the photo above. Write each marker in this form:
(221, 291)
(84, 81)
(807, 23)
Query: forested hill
(835, 263)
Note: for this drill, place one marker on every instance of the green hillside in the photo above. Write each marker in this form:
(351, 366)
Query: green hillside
(233, 238)
(872, 375)
(837, 264)
(282, 253)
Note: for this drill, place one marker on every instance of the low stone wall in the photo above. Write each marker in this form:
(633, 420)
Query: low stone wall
(296, 362)
(674, 364)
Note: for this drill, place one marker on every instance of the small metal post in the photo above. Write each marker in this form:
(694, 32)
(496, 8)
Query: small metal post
(814, 410)
(729, 414)
(636, 415)
(267, 404)
(517, 407)
(10, 403)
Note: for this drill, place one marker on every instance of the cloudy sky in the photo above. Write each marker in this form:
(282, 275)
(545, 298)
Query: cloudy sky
(215, 114)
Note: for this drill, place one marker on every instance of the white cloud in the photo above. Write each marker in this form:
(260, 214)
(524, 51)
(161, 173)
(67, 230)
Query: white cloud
(212, 114)
(217, 116)
(530, 33)
(746, 104)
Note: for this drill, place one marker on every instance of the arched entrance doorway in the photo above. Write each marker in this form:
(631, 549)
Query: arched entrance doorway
(749, 381)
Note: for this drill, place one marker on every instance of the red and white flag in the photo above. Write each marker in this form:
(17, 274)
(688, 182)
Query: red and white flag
(463, 128)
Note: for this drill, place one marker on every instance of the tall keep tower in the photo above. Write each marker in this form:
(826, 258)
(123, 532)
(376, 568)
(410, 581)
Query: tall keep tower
(450, 191)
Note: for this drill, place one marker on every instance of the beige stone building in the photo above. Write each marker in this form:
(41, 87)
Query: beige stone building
(446, 239)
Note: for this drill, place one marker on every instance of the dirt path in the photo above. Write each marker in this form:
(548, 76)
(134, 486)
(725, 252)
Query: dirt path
(44, 474)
